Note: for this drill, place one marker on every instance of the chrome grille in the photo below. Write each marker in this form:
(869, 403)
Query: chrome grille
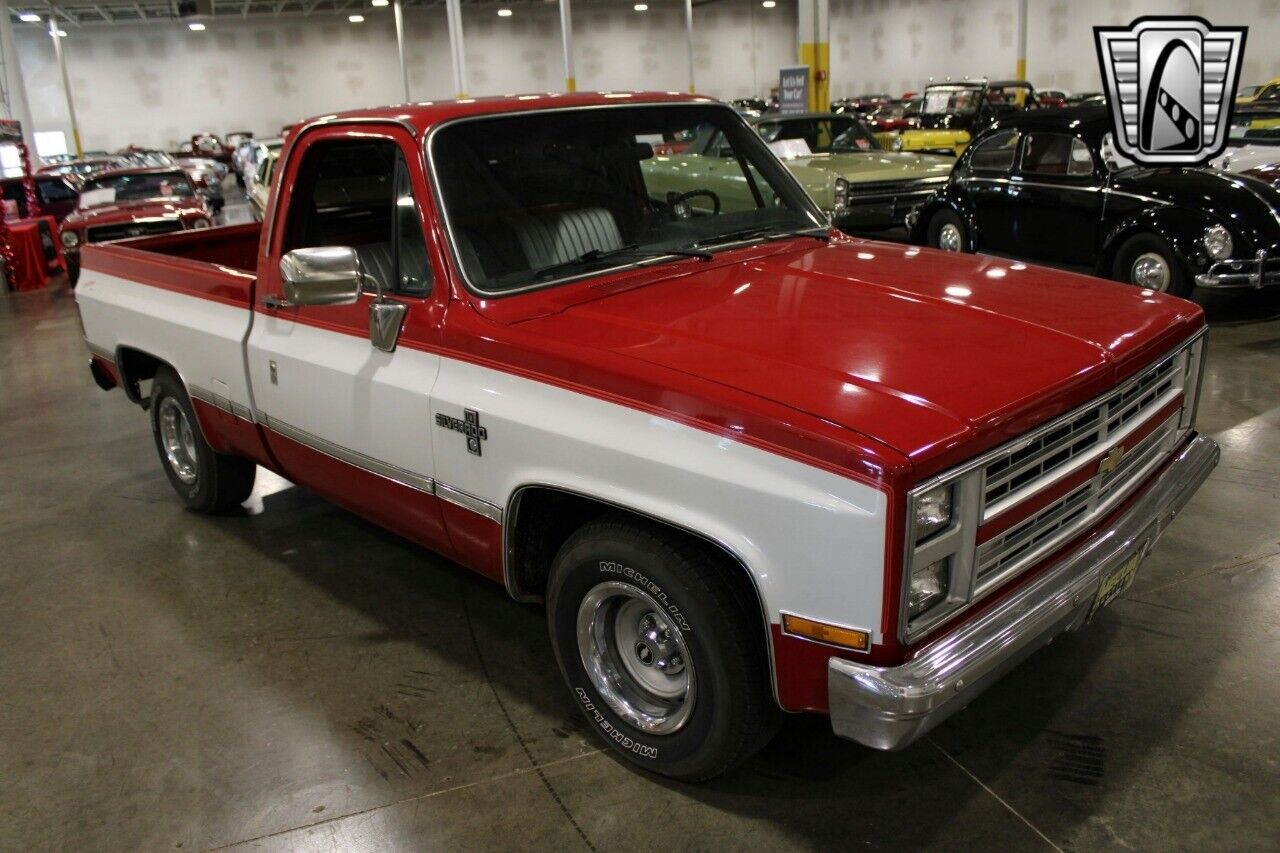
(1024, 542)
(1049, 452)
(125, 230)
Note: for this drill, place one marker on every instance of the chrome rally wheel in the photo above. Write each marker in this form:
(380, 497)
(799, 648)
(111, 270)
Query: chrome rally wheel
(178, 440)
(637, 658)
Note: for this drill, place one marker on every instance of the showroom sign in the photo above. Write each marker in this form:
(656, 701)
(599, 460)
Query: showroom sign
(1170, 85)
(793, 89)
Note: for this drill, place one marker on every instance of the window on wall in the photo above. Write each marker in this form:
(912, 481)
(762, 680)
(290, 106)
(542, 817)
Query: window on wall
(50, 143)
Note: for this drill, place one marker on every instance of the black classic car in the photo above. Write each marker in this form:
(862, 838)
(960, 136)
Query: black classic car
(1049, 186)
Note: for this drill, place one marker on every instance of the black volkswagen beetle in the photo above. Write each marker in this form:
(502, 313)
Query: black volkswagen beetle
(1049, 186)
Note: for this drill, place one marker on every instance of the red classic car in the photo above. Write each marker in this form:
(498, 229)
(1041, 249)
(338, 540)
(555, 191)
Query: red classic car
(55, 195)
(891, 117)
(124, 203)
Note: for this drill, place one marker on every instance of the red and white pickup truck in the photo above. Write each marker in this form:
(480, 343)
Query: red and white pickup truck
(750, 465)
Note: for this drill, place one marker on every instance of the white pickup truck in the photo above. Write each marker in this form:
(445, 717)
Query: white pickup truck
(750, 465)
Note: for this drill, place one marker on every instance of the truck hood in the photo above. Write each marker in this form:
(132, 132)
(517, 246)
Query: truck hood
(877, 165)
(127, 211)
(937, 355)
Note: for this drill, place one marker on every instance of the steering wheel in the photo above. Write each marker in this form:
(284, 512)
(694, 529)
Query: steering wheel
(680, 210)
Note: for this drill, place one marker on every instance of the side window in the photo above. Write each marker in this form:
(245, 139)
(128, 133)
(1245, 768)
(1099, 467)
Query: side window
(1056, 154)
(413, 267)
(52, 191)
(357, 193)
(995, 153)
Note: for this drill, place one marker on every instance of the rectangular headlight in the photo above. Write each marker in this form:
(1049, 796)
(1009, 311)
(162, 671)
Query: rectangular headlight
(929, 586)
(933, 511)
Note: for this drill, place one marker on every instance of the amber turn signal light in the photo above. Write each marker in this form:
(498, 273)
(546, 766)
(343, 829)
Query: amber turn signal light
(850, 638)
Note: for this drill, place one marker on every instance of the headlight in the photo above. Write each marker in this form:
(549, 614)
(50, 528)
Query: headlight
(70, 239)
(842, 193)
(201, 223)
(1217, 241)
(928, 586)
(933, 512)
(897, 144)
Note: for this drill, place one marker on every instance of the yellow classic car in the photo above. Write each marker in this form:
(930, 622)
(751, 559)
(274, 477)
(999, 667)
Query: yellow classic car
(835, 157)
(953, 112)
(1269, 91)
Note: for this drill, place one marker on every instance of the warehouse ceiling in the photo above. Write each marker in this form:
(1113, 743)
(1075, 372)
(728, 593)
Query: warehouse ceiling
(77, 13)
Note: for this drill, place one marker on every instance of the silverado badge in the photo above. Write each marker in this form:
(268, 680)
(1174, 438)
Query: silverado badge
(469, 426)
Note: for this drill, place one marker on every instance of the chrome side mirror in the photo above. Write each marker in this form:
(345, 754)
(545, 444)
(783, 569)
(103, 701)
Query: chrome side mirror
(322, 275)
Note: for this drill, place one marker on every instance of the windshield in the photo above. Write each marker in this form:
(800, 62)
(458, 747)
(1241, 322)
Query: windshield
(822, 135)
(135, 187)
(547, 196)
(947, 100)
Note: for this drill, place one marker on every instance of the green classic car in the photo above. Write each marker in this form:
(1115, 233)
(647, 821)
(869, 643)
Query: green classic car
(835, 157)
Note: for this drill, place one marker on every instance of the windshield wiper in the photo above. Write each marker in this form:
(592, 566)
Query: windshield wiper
(767, 232)
(632, 250)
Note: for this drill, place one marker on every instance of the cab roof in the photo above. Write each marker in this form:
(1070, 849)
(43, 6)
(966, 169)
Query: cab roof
(424, 115)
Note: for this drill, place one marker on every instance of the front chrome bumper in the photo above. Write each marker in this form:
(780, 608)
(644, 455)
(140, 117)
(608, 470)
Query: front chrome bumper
(1257, 273)
(889, 707)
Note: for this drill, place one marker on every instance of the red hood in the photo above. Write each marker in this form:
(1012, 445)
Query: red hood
(938, 355)
(127, 211)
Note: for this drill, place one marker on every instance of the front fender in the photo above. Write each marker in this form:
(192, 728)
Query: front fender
(955, 202)
(1181, 227)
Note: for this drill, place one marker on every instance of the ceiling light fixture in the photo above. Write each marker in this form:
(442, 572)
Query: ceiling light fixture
(60, 33)
(769, 4)
(641, 7)
(196, 27)
(356, 19)
(504, 13)
(29, 18)
(380, 3)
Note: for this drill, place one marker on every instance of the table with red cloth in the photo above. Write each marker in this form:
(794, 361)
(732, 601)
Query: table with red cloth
(34, 260)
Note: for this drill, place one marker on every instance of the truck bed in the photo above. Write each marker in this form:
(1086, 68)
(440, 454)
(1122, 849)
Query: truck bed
(215, 263)
(182, 299)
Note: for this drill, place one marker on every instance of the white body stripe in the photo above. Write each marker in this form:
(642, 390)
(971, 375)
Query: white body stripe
(813, 540)
(202, 338)
(346, 391)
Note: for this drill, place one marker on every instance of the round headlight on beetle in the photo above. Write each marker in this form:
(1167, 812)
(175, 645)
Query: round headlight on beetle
(1217, 242)
(70, 239)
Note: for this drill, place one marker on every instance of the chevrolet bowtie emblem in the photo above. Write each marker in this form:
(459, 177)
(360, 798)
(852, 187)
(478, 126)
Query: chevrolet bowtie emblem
(1111, 461)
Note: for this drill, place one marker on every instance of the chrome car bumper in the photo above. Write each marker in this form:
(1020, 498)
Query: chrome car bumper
(1262, 271)
(889, 707)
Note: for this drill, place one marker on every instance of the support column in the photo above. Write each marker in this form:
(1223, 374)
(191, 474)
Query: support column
(454, 10)
(815, 51)
(566, 38)
(15, 85)
(404, 69)
(688, 34)
(1022, 40)
(66, 84)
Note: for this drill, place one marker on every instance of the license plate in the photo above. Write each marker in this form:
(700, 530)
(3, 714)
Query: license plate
(1117, 580)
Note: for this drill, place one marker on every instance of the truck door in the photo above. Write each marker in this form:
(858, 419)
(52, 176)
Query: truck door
(343, 417)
